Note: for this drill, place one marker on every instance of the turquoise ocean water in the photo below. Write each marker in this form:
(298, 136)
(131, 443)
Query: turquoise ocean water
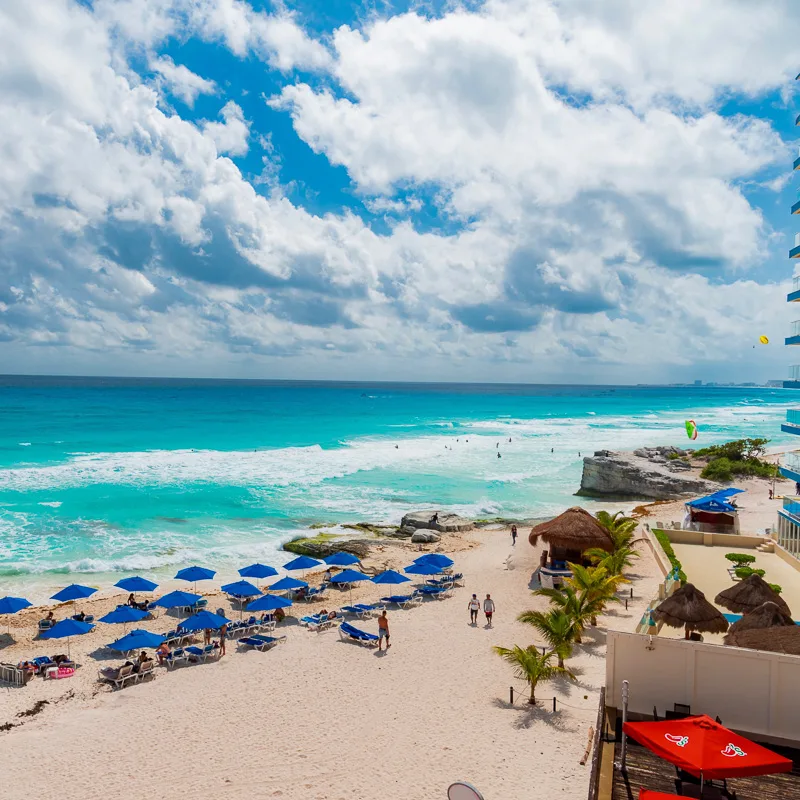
(100, 477)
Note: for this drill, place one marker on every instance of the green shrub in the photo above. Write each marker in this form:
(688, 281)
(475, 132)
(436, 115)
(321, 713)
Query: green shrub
(664, 541)
(775, 588)
(740, 559)
(746, 572)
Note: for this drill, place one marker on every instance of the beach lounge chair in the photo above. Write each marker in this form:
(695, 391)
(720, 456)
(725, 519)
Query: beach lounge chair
(403, 600)
(349, 633)
(118, 676)
(13, 674)
(267, 624)
(147, 668)
(45, 625)
(316, 593)
(261, 643)
(362, 610)
(436, 592)
(178, 656)
(202, 654)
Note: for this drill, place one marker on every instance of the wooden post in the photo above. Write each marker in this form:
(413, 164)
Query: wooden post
(511, 694)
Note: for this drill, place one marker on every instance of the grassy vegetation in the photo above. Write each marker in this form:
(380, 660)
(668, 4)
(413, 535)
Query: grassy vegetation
(746, 572)
(740, 458)
(300, 545)
(664, 541)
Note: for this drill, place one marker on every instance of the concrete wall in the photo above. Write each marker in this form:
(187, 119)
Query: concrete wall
(752, 691)
(731, 540)
(791, 560)
(658, 551)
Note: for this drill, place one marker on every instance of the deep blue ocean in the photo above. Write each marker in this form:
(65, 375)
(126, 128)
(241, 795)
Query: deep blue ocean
(107, 476)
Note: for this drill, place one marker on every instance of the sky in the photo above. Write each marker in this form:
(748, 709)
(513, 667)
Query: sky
(509, 190)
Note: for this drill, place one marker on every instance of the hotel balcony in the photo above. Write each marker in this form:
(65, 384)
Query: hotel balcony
(796, 164)
(792, 424)
(796, 208)
(791, 508)
(790, 463)
(795, 251)
(794, 295)
(794, 337)
(794, 378)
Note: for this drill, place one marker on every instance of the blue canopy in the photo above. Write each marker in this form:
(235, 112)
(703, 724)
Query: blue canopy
(194, 574)
(391, 577)
(340, 560)
(136, 584)
(349, 576)
(258, 571)
(712, 503)
(423, 568)
(288, 583)
(439, 560)
(124, 614)
(66, 627)
(202, 620)
(725, 493)
(302, 562)
(268, 602)
(177, 599)
(10, 605)
(137, 640)
(241, 589)
(73, 592)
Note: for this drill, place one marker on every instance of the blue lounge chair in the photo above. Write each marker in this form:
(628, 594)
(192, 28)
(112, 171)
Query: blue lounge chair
(436, 592)
(403, 600)
(178, 656)
(202, 654)
(314, 593)
(45, 625)
(258, 642)
(349, 633)
(362, 610)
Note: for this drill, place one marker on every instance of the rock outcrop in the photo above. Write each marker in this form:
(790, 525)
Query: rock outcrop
(316, 548)
(445, 523)
(424, 536)
(647, 474)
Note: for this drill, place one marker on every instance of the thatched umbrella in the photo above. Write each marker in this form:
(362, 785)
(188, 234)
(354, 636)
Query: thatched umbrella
(782, 639)
(767, 615)
(688, 608)
(575, 529)
(749, 594)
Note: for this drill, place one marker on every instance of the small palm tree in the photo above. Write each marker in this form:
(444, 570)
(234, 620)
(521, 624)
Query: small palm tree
(597, 583)
(578, 606)
(532, 666)
(614, 563)
(555, 627)
(620, 528)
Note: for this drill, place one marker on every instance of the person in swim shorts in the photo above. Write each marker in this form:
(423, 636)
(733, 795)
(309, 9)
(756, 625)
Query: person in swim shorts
(383, 630)
(474, 607)
(488, 609)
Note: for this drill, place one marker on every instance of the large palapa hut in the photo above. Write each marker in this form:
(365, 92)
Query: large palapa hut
(570, 534)
(749, 594)
(767, 615)
(780, 639)
(688, 608)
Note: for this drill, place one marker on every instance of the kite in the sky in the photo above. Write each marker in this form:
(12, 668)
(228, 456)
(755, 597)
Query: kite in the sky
(763, 340)
(691, 429)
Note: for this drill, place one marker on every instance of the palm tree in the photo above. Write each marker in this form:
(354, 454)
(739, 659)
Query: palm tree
(555, 627)
(597, 583)
(532, 666)
(620, 528)
(614, 563)
(579, 607)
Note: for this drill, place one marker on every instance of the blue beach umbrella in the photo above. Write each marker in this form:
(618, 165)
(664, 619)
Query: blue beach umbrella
(66, 629)
(285, 584)
(341, 559)
(350, 576)
(73, 592)
(177, 599)
(137, 640)
(136, 584)
(391, 577)
(123, 615)
(203, 620)
(258, 571)
(423, 568)
(439, 560)
(241, 589)
(10, 605)
(194, 574)
(268, 602)
(303, 563)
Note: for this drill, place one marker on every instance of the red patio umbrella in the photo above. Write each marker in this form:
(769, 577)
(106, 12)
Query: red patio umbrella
(647, 794)
(706, 749)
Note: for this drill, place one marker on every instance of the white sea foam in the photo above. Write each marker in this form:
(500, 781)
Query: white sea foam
(24, 444)
(52, 503)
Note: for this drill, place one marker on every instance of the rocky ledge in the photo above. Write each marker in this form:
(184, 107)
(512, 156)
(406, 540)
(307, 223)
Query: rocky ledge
(653, 473)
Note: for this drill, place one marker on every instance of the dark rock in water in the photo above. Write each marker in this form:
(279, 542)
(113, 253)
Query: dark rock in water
(448, 523)
(624, 476)
(320, 548)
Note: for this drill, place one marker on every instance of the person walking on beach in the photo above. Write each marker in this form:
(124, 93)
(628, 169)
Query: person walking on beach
(223, 633)
(383, 630)
(474, 607)
(488, 609)
(513, 534)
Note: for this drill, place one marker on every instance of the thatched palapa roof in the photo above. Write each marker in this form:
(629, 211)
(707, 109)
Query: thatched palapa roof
(767, 615)
(688, 607)
(782, 639)
(749, 594)
(575, 529)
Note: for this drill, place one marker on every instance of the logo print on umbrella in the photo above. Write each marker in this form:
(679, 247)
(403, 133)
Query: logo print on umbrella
(732, 751)
(681, 741)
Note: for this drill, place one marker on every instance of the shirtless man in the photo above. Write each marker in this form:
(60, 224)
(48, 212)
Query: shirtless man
(383, 630)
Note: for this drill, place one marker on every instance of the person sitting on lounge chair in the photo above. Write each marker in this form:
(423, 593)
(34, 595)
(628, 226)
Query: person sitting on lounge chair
(301, 593)
(28, 669)
(133, 604)
(326, 578)
(324, 613)
(80, 616)
(162, 651)
(279, 615)
(51, 618)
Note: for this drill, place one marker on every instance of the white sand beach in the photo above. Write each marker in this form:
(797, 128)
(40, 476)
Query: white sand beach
(320, 718)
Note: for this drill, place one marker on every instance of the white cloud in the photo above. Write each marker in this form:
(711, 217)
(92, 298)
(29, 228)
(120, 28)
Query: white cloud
(576, 151)
(180, 81)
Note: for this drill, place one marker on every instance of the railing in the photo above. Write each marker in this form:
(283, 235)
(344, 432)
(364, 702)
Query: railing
(597, 747)
(791, 505)
(797, 240)
(796, 283)
(795, 327)
(793, 417)
(791, 461)
(794, 373)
